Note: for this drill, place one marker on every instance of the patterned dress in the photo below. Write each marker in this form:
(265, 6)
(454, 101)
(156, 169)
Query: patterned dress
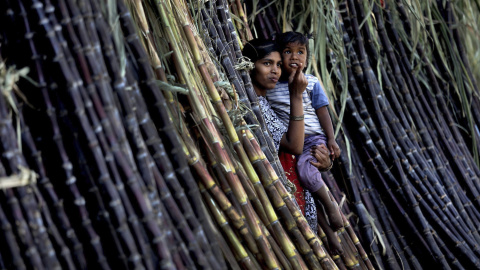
(276, 129)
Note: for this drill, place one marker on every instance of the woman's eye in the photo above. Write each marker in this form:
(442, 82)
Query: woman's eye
(267, 63)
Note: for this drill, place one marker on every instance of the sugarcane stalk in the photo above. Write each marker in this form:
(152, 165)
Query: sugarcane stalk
(440, 100)
(111, 138)
(372, 129)
(121, 83)
(226, 120)
(229, 255)
(35, 235)
(226, 206)
(236, 217)
(282, 259)
(221, 180)
(50, 194)
(251, 193)
(65, 258)
(247, 83)
(358, 246)
(369, 142)
(11, 247)
(181, 163)
(103, 142)
(240, 252)
(437, 187)
(171, 138)
(28, 246)
(237, 5)
(442, 172)
(218, 10)
(240, 193)
(63, 250)
(267, 145)
(448, 254)
(164, 185)
(412, 259)
(350, 253)
(294, 218)
(358, 193)
(277, 200)
(229, 28)
(156, 181)
(408, 192)
(220, 197)
(97, 152)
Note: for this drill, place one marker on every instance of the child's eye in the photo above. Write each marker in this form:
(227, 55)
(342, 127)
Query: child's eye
(300, 52)
(286, 52)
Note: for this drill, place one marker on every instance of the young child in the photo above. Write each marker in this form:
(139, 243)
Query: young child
(318, 128)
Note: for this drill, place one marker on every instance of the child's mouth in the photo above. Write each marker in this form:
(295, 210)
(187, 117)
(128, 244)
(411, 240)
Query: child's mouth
(294, 65)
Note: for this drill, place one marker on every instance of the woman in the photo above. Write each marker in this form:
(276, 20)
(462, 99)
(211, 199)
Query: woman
(288, 140)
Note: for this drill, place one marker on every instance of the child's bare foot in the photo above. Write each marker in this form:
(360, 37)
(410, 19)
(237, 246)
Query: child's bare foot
(334, 217)
(332, 210)
(333, 243)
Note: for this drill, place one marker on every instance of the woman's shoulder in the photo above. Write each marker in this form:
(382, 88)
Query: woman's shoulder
(265, 106)
(263, 101)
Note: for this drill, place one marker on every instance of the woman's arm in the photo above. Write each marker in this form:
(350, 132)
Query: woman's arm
(292, 141)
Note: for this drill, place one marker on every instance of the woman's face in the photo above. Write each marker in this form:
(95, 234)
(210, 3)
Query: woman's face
(267, 71)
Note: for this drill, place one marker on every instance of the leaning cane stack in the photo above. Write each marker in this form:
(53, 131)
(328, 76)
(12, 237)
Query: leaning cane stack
(131, 137)
(123, 155)
(403, 74)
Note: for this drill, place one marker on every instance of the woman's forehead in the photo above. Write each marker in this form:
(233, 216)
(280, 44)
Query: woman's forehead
(273, 56)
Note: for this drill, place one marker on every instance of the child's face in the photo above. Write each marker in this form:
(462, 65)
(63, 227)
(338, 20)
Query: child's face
(267, 71)
(292, 55)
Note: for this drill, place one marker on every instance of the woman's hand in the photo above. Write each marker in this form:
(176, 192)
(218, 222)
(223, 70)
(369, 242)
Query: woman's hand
(321, 153)
(297, 82)
(334, 149)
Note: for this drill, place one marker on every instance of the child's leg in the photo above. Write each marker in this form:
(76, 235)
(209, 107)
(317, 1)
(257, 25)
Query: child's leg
(334, 216)
(334, 246)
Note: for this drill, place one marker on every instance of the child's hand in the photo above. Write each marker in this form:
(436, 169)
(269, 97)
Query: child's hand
(297, 82)
(334, 149)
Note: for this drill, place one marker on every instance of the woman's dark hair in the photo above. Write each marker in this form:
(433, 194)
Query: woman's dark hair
(258, 48)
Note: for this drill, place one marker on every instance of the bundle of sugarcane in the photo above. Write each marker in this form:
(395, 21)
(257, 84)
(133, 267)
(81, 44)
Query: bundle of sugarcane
(217, 30)
(30, 238)
(245, 176)
(401, 72)
(97, 130)
(94, 109)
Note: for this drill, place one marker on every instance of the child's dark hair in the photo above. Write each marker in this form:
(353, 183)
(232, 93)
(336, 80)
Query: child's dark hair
(291, 37)
(258, 48)
(284, 39)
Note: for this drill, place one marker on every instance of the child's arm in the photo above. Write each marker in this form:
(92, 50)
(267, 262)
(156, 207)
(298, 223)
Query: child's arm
(293, 139)
(326, 123)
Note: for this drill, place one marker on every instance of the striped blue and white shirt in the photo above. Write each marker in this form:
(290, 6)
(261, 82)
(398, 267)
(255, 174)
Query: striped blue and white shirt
(313, 98)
